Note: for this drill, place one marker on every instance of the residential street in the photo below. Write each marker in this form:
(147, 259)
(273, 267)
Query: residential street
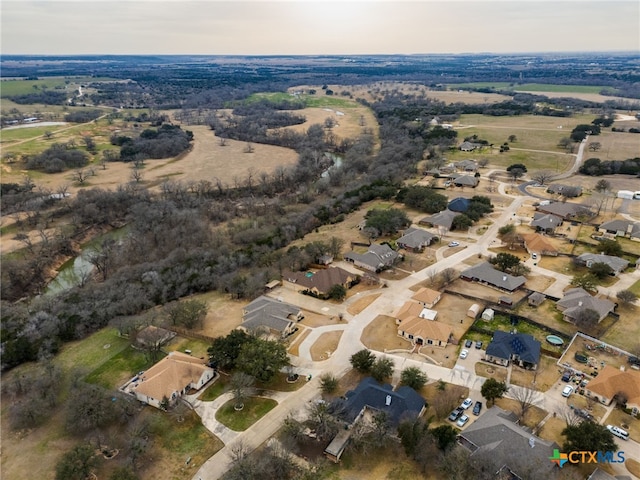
(389, 300)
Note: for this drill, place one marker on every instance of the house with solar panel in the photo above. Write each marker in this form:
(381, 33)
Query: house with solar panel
(518, 348)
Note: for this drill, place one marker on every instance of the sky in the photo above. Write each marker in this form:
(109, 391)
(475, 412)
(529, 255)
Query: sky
(306, 27)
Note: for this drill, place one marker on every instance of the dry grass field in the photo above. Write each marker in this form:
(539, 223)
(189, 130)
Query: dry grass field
(382, 334)
(533, 417)
(552, 430)
(325, 345)
(624, 420)
(542, 379)
(361, 303)
(491, 371)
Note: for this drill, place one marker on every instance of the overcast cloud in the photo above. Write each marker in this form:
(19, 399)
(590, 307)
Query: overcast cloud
(271, 27)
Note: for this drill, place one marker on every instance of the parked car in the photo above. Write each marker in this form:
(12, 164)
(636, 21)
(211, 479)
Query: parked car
(462, 420)
(618, 432)
(464, 353)
(476, 408)
(454, 244)
(455, 414)
(566, 376)
(466, 404)
(534, 256)
(468, 344)
(566, 391)
(478, 344)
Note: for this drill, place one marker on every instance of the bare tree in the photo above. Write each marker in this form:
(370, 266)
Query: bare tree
(241, 383)
(526, 399)
(595, 146)
(102, 257)
(542, 176)
(80, 176)
(136, 175)
(570, 416)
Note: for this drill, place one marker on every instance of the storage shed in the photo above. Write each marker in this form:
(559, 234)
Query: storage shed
(473, 311)
(488, 314)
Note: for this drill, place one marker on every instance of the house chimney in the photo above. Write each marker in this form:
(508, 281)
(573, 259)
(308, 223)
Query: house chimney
(580, 303)
(532, 442)
(388, 400)
(504, 278)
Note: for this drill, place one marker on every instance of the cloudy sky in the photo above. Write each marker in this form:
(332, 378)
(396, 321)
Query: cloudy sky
(272, 27)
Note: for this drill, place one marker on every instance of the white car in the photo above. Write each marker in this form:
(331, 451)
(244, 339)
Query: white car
(534, 256)
(454, 244)
(462, 420)
(566, 391)
(467, 403)
(464, 353)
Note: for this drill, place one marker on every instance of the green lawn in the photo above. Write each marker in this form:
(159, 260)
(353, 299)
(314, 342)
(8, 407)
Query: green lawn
(635, 288)
(254, 409)
(216, 389)
(120, 367)
(93, 351)
(501, 322)
(186, 439)
(319, 100)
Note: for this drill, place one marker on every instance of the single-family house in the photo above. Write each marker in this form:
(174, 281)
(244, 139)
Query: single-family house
(415, 239)
(576, 300)
(565, 210)
(465, 181)
(564, 190)
(468, 146)
(443, 219)
(377, 258)
(621, 228)
(485, 274)
(369, 398)
(510, 450)
(265, 313)
(169, 379)
(536, 243)
(520, 348)
(319, 283)
(420, 331)
(467, 165)
(412, 309)
(612, 382)
(459, 204)
(427, 297)
(617, 264)
(546, 222)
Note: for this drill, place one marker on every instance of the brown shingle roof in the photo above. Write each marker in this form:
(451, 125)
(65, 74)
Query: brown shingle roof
(611, 381)
(426, 295)
(537, 243)
(408, 310)
(171, 374)
(322, 280)
(427, 329)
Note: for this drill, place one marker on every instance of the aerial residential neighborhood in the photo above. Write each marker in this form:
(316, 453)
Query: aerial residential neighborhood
(286, 262)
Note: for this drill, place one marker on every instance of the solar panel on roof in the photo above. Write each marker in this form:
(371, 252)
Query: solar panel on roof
(517, 346)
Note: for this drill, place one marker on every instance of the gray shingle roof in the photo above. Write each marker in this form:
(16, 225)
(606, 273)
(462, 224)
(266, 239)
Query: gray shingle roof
(563, 209)
(484, 272)
(577, 299)
(617, 264)
(496, 437)
(546, 220)
(404, 402)
(416, 238)
(441, 219)
(378, 256)
(505, 344)
(267, 312)
(466, 180)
